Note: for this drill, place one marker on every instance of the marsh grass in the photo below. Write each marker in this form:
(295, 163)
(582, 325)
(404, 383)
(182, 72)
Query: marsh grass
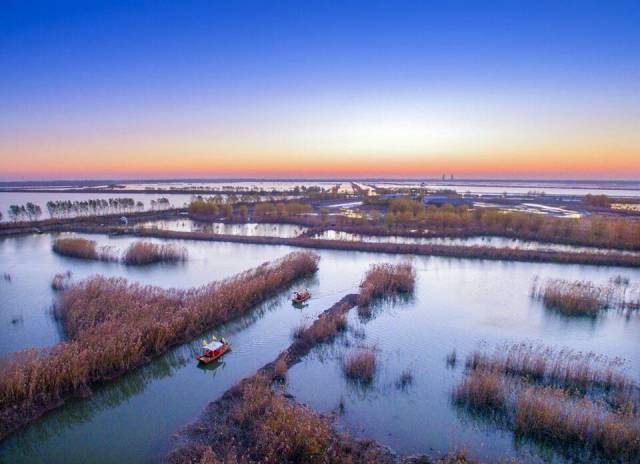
(405, 379)
(281, 431)
(114, 326)
(143, 252)
(60, 281)
(558, 397)
(452, 359)
(553, 414)
(563, 368)
(322, 329)
(280, 369)
(77, 247)
(138, 253)
(585, 298)
(360, 365)
(386, 280)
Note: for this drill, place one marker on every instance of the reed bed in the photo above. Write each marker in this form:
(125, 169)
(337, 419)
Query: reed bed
(143, 252)
(483, 391)
(115, 326)
(386, 279)
(585, 298)
(281, 431)
(405, 379)
(255, 424)
(552, 414)
(60, 281)
(322, 329)
(82, 248)
(547, 395)
(573, 298)
(138, 253)
(360, 365)
(564, 368)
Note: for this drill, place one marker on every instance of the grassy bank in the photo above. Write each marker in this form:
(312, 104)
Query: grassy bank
(114, 326)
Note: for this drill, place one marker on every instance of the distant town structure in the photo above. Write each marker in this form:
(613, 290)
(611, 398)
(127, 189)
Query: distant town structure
(439, 200)
(365, 189)
(345, 188)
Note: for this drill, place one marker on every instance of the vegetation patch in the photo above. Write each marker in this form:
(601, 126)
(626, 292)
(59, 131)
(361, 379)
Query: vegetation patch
(138, 253)
(60, 281)
(360, 365)
(558, 397)
(595, 230)
(82, 248)
(253, 423)
(114, 326)
(143, 252)
(584, 298)
(386, 280)
(564, 368)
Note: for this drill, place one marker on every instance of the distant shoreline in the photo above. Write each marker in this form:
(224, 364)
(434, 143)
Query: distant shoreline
(620, 184)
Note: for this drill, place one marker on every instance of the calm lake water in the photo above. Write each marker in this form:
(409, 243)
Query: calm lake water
(249, 229)
(485, 241)
(459, 304)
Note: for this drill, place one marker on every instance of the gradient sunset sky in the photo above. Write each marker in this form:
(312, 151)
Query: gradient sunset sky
(496, 89)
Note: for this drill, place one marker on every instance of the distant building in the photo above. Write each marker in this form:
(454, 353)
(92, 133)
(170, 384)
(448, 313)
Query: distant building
(345, 188)
(439, 200)
(365, 189)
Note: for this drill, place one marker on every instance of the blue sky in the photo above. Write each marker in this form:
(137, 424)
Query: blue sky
(214, 83)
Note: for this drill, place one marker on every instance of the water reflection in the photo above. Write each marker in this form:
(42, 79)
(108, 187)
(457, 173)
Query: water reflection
(479, 241)
(247, 229)
(457, 304)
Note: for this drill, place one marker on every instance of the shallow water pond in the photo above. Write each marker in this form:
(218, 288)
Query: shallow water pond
(458, 305)
(248, 229)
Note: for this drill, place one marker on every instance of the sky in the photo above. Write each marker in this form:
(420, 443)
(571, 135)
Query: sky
(320, 89)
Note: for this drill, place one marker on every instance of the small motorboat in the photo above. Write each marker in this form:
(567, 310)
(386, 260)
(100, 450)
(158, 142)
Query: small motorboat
(213, 350)
(301, 296)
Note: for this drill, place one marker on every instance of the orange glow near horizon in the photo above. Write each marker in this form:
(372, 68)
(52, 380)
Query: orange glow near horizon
(383, 141)
(287, 165)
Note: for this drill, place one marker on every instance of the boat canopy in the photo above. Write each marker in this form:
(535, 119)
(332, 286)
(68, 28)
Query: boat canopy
(213, 346)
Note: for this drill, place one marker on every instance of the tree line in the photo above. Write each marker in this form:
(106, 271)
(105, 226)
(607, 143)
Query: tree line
(62, 209)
